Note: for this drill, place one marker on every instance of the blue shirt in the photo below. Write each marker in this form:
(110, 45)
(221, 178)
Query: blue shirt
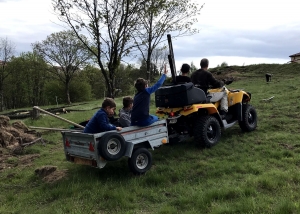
(141, 102)
(99, 123)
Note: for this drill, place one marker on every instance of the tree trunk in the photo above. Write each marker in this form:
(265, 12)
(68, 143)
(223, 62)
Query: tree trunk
(1, 96)
(68, 92)
(35, 114)
(1, 89)
(148, 65)
(149, 51)
(1, 99)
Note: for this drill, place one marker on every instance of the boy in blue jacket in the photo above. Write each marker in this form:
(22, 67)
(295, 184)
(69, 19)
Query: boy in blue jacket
(100, 122)
(140, 112)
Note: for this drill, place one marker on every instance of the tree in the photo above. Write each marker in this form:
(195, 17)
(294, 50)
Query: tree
(159, 57)
(224, 64)
(193, 67)
(108, 23)
(95, 80)
(7, 49)
(143, 70)
(66, 54)
(25, 86)
(160, 17)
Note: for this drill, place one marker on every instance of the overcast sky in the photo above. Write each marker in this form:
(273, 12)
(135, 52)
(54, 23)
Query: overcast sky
(233, 31)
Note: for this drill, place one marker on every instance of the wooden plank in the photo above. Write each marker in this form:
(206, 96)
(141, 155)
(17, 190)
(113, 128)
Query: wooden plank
(82, 161)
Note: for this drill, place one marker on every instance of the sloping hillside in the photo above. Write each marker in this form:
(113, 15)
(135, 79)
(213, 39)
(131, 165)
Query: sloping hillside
(237, 72)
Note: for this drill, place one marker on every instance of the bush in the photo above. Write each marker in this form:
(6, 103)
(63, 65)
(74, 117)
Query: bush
(79, 91)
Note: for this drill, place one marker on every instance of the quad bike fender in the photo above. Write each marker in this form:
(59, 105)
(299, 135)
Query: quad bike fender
(211, 109)
(187, 110)
(237, 97)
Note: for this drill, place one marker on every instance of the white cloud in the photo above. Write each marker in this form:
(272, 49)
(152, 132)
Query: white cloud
(27, 21)
(254, 14)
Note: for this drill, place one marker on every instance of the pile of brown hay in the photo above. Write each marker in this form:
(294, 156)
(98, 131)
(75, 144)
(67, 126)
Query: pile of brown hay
(15, 135)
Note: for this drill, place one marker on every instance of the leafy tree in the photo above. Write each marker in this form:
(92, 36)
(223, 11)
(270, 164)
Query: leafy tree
(153, 70)
(66, 54)
(224, 64)
(123, 82)
(36, 76)
(95, 80)
(108, 23)
(160, 17)
(80, 90)
(15, 84)
(7, 49)
(53, 92)
(159, 58)
(25, 85)
(193, 67)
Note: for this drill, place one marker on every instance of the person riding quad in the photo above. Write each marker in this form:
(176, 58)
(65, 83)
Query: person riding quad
(184, 78)
(203, 79)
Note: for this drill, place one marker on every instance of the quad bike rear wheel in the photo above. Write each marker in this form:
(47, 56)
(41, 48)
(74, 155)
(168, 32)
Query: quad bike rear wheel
(249, 122)
(207, 131)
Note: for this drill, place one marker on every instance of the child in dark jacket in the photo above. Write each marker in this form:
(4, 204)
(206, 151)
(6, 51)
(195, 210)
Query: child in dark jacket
(140, 112)
(100, 122)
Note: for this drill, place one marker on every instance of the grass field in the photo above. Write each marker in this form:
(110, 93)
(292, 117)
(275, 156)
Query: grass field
(255, 172)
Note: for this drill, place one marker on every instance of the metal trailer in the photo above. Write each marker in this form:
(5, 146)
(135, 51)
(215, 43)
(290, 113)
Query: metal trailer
(133, 142)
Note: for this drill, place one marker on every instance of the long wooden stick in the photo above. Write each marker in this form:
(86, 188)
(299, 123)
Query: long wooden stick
(42, 110)
(52, 129)
(268, 98)
(27, 144)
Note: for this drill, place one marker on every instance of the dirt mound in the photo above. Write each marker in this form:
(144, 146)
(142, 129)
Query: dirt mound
(15, 136)
(50, 174)
(20, 126)
(4, 121)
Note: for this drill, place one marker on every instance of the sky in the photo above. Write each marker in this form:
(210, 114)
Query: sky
(232, 31)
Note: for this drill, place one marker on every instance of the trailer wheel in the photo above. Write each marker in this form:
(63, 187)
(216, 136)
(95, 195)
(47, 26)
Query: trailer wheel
(207, 131)
(140, 161)
(112, 146)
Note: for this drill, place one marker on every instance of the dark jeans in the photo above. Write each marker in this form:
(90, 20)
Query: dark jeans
(151, 119)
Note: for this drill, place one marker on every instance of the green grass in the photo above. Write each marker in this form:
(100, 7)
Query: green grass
(255, 172)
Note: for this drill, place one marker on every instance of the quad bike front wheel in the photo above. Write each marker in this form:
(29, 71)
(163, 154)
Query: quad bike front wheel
(207, 131)
(249, 122)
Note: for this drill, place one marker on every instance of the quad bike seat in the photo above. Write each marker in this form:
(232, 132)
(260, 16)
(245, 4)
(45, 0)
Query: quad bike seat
(179, 95)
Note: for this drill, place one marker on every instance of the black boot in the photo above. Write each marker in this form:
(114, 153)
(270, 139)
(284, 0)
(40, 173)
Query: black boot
(223, 114)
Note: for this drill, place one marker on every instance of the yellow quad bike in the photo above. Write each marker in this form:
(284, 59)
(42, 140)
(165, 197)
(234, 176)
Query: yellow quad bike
(200, 118)
(189, 111)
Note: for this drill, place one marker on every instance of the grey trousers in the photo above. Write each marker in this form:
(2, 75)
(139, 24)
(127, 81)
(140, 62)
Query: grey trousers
(216, 96)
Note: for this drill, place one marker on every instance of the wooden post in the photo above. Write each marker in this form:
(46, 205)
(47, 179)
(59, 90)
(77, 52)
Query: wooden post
(35, 114)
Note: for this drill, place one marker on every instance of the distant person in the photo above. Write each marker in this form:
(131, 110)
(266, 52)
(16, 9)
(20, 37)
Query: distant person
(125, 112)
(205, 80)
(100, 120)
(184, 78)
(141, 102)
